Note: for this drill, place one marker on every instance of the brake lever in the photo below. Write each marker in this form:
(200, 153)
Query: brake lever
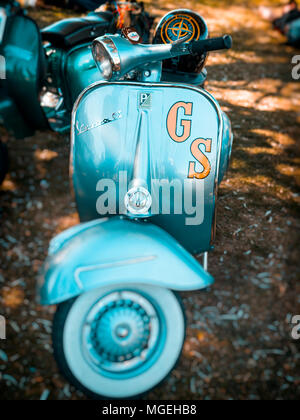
(180, 46)
(182, 40)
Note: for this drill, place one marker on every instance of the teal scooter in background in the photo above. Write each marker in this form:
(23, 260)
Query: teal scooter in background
(147, 156)
(45, 70)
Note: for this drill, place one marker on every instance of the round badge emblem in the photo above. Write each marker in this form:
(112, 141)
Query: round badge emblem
(134, 36)
(178, 27)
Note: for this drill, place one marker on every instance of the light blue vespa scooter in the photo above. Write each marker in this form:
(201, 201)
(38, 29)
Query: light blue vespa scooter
(147, 157)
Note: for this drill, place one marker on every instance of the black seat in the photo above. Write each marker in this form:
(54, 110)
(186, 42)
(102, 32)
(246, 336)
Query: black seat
(69, 32)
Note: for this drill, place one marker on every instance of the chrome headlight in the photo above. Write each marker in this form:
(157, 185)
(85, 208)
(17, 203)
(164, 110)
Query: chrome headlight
(107, 58)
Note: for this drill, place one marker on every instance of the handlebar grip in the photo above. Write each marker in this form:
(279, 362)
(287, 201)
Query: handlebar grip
(213, 44)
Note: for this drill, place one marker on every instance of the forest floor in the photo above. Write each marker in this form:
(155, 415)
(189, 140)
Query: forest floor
(239, 343)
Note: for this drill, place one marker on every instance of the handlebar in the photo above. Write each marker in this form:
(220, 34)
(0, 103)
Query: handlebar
(213, 44)
(143, 55)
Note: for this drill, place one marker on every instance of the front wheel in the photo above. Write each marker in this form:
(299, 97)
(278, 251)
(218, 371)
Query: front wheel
(119, 342)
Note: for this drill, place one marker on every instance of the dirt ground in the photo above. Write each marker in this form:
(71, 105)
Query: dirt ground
(239, 343)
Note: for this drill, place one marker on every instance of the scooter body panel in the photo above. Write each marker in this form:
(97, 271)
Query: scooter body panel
(117, 251)
(80, 71)
(179, 128)
(22, 49)
(27, 66)
(11, 118)
(226, 151)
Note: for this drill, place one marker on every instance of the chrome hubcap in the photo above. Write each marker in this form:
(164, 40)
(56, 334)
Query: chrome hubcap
(121, 332)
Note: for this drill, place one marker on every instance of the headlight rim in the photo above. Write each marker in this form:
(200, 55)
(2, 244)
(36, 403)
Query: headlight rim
(113, 55)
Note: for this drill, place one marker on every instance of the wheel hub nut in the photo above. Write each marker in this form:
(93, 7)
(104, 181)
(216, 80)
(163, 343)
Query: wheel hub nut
(122, 331)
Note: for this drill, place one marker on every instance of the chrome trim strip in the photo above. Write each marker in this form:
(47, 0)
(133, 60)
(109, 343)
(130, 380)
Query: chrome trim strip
(3, 18)
(104, 266)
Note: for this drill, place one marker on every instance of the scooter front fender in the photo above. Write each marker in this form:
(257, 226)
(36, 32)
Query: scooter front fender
(117, 251)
